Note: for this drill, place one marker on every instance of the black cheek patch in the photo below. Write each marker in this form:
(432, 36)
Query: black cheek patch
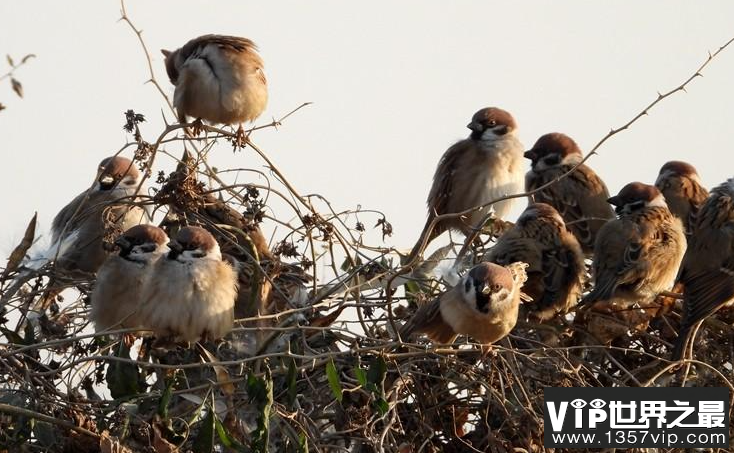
(553, 159)
(482, 301)
(502, 130)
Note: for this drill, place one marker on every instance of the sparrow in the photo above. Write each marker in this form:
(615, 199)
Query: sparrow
(474, 171)
(80, 228)
(707, 270)
(117, 291)
(484, 305)
(636, 255)
(580, 198)
(218, 79)
(191, 291)
(556, 271)
(681, 186)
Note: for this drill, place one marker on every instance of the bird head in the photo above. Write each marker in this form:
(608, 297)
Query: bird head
(635, 196)
(486, 285)
(192, 243)
(117, 171)
(553, 150)
(491, 123)
(140, 242)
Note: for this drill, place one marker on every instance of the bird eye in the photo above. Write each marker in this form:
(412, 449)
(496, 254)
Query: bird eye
(492, 123)
(496, 287)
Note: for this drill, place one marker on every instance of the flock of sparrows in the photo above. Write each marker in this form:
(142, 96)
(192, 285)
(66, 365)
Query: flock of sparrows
(674, 230)
(641, 241)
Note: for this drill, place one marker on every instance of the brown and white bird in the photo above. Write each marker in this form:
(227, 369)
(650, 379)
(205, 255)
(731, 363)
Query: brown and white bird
(556, 270)
(636, 255)
(105, 209)
(218, 79)
(486, 166)
(118, 290)
(580, 198)
(681, 186)
(484, 305)
(707, 271)
(191, 291)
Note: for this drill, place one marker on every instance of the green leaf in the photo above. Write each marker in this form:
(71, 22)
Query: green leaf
(291, 379)
(11, 336)
(45, 434)
(333, 378)
(222, 433)
(165, 400)
(303, 443)
(124, 379)
(376, 375)
(260, 391)
(361, 376)
(204, 442)
(382, 406)
(412, 289)
(228, 440)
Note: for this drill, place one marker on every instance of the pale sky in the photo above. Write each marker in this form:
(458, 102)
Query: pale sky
(393, 84)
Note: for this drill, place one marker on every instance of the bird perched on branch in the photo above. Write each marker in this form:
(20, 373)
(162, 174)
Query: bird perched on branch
(191, 291)
(486, 166)
(555, 261)
(707, 271)
(218, 79)
(484, 305)
(580, 197)
(636, 255)
(680, 185)
(117, 292)
(107, 209)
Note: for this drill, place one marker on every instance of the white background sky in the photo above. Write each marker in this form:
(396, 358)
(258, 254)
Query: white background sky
(393, 85)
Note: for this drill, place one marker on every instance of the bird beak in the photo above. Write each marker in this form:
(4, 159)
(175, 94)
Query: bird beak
(476, 127)
(175, 250)
(165, 52)
(486, 290)
(614, 200)
(530, 155)
(123, 243)
(106, 182)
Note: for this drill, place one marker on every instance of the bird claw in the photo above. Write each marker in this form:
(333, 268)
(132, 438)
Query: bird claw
(240, 138)
(195, 128)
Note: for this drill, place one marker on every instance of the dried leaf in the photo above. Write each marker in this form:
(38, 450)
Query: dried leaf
(28, 57)
(223, 377)
(109, 444)
(17, 87)
(10, 60)
(160, 444)
(325, 321)
(16, 257)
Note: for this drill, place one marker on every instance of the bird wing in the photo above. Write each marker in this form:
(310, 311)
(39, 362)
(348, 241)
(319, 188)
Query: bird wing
(427, 319)
(444, 180)
(580, 198)
(618, 248)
